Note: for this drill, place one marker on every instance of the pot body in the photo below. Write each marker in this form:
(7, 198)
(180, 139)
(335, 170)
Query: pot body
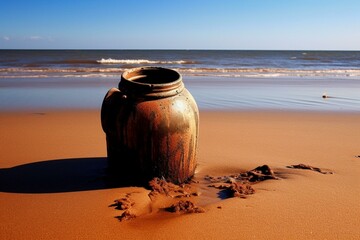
(152, 124)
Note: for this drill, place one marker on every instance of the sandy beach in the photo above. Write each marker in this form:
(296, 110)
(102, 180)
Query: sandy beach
(52, 183)
(179, 120)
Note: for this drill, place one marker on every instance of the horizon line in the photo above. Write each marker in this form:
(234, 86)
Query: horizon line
(169, 49)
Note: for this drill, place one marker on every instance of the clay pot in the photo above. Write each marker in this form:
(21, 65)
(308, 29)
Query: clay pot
(152, 124)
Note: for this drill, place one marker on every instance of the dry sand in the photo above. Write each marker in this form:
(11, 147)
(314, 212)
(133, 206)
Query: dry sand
(52, 187)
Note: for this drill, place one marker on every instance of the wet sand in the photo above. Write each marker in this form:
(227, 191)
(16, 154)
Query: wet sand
(52, 184)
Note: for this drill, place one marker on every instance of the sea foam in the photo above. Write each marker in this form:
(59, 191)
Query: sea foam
(207, 71)
(140, 61)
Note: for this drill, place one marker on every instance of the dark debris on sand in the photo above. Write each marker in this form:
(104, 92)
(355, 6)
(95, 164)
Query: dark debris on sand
(235, 189)
(258, 174)
(123, 203)
(185, 207)
(308, 167)
(236, 185)
(126, 215)
(239, 185)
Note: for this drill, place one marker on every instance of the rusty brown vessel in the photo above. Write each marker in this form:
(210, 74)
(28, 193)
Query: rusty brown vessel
(152, 124)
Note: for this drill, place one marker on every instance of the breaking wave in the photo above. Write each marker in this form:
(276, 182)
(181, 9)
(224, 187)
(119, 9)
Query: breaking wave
(271, 72)
(141, 61)
(220, 72)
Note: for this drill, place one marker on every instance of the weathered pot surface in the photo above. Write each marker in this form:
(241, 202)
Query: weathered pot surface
(152, 124)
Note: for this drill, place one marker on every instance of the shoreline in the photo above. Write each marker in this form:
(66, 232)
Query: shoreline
(52, 163)
(212, 93)
(206, 110)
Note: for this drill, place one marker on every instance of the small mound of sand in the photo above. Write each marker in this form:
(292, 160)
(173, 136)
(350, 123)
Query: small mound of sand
(180, 198)
(308, 167)
(235, 189)
(123, 203)
(240, 190)
(238, 185)
(133, 204)
(185, 207)
(126, 215)
(258, 174)
(161, 186)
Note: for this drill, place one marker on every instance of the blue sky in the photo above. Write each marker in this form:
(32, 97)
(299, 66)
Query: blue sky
(187, 24)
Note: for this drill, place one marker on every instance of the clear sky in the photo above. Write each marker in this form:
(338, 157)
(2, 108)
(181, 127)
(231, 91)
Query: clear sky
(186, 24)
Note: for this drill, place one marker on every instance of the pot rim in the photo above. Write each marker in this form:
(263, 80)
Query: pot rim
(151, 81)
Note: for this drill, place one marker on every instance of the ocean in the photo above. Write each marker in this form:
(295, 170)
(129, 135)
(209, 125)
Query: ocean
(218, 79)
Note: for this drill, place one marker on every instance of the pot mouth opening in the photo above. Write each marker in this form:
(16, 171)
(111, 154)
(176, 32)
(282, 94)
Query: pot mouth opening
(152, 75)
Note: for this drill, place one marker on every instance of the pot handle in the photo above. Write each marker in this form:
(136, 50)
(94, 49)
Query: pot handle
(109, 109)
